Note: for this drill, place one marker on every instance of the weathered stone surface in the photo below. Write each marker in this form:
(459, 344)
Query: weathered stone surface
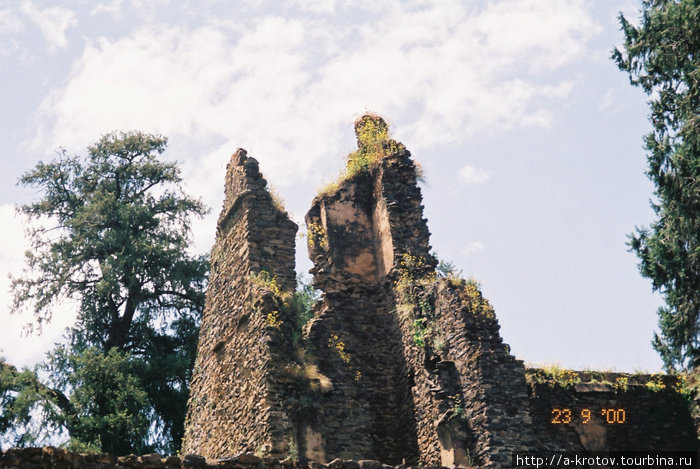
(194, 460)
(643, 412)
(248, 458)
(397, 367)
(152, 460)
(236, 405)
(369, 464)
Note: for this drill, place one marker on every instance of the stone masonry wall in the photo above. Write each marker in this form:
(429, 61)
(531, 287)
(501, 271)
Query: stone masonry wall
(397, 366)
(604, 411)
(235, 404)
(354, 333)
(394, 397)
(491, 391)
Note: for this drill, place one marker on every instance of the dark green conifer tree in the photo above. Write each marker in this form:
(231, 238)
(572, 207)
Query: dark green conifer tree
(662, 55)
(111, 232)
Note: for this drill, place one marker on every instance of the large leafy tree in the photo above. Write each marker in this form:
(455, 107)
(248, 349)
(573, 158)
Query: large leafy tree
(662, 55)
(111, 232)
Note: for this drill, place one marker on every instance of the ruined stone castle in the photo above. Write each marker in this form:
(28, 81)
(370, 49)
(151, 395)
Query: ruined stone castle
(396, 364)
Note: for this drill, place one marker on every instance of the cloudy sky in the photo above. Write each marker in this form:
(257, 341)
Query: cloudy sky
(530, 138)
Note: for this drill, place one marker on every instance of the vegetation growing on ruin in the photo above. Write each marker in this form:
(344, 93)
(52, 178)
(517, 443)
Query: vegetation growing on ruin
(273, 319)
(316, 236)
(413, 278)
(553, 375)
(328, 189)
(277, 200)
(457, 409)
(374, 143)
(621, 384)
(266, 280)
(297, 304)
(656, 383)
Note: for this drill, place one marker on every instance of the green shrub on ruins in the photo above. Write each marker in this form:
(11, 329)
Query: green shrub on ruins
(457, 409)
(373, 145)
(553, 375)
(656, 383)
(297, 304)
(266, 280)
(419, 332)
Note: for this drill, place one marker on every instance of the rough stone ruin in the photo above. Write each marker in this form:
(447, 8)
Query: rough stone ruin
(396, 364)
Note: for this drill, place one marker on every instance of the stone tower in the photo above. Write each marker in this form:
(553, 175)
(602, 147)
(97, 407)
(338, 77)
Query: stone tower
(423, 374)
(235, 403)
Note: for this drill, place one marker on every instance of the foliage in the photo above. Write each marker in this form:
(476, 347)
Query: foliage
(553, 375)
(317, 236)
(273, 320)
(19, 393)
(448, 269)
(108, 400)
(111, 232)
(412, 273)
(338, 345)
(266, 280)
(457, 409)
(621, 384)
(277, 200)
(419, 332)
(373, 144)
(328, 189)
(656, 383)
(413, 276)
(470, 292)
(662, 56)
(302, 303)
(297, 305)
(292, 451)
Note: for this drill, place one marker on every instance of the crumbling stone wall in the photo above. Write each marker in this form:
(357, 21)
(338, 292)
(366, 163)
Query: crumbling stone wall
(396, 365)
(606, 411)
(236, 402)
(475, 406)
(355, 333)
(420, 405)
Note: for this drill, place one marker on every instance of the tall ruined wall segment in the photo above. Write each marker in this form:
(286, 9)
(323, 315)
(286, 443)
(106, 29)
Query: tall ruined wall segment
(356, 235)
(420, 366)
(236, 404)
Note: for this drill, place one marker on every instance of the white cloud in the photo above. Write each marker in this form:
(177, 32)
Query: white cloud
(113, 8)
(287, 88)
(14, 346)
(472, 247)
(10, 23)
(548, 33)
(52, 22)
(315, 6)
(471, 175)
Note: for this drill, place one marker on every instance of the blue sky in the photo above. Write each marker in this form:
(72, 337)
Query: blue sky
(530, 138)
